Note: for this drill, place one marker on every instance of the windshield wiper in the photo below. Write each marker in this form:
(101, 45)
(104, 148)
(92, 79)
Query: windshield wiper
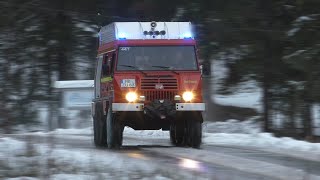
(134, 67)
(167, 68)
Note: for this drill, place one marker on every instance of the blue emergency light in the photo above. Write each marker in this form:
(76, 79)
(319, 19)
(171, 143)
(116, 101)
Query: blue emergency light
(187, 35)
(122, 36)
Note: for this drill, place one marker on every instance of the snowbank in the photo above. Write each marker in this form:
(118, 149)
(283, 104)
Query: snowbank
(232, 126)
(246, 95)
(261, 140)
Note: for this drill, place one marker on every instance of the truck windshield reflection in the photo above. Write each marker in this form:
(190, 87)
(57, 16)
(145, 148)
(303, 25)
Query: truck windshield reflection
(154, 58)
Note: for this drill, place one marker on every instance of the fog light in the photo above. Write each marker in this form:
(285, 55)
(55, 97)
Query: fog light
(142, 98)
(131, 96)
(177, 98)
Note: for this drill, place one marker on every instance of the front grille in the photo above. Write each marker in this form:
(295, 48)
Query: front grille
(159, 94)
(168, 83)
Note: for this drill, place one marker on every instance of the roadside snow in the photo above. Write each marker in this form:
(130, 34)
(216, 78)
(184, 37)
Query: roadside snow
(219, 72)
(316, 117)
(303, 18)
(246, 94)
(242, 99)
(71, 176)
(248, 134)
(86, 27)
(293, 31)
(232, 126)
(11, 146)
(293, 55)
(267, 142)
(85, 131)
(298, 23)
(23, 178)
(261, 140)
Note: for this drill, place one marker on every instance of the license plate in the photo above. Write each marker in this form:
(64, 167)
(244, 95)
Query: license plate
(128, 83)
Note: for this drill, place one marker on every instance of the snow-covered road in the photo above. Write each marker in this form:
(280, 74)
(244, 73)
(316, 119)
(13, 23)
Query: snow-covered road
(69, 157)
(70, 154)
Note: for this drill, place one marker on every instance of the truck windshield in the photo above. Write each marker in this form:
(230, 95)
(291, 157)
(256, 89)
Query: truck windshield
(155, 58)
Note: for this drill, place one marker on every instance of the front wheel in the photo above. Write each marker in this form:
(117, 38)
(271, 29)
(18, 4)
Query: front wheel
(177, 132)
(114, 130)
(187, 130)
(99, 127)
(194, 133)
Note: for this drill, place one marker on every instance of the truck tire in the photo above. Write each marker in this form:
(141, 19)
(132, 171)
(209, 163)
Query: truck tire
(194, 134)
(114, 131)
(177, 132)
(99, 127)
(95, 131)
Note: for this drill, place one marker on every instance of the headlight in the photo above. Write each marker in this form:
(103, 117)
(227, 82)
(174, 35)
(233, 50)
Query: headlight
(131, 96)
(187, 96)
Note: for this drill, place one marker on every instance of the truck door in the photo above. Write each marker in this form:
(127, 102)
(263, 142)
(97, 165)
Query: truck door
(107, 76)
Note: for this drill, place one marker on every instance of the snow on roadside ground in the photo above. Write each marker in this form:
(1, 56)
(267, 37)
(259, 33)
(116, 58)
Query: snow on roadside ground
(246, 95)
(248, 134)
(266, 142)
(232, 126)
(84, 131)
(241, 99)
(316, 118)
(26, 161)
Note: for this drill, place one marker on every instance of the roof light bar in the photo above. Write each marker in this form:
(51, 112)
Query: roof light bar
(152, 33)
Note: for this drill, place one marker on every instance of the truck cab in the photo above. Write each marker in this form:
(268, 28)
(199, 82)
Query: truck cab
(148, 78)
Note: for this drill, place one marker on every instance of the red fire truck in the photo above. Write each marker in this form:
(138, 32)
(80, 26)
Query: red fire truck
(148, 78)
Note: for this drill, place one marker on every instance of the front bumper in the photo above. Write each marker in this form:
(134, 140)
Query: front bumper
(127, 106)
(140, 107)
(190, 107)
